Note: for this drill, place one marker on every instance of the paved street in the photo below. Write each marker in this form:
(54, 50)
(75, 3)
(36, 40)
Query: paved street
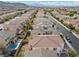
(65, 32)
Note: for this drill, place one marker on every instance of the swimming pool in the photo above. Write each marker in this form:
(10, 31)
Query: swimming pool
(12, 46)
(15, 45)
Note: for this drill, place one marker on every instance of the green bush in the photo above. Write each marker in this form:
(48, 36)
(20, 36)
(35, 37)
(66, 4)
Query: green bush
(72, 53)
(71, 14)
(28, 33)
(61, 21)
(57, 18)
(77, 30)
(70, 26)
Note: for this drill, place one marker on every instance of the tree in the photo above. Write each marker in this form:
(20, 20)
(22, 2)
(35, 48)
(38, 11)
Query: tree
(72, 53)
(57, 18)
(70, 26)
(28, 33)
(38, 33)
(61, 21)
(77, 30)
(25, 11)
(71, 14)
(74, 12)
(53, 25)
(26, 28)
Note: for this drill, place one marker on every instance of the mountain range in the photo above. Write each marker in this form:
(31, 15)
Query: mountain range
(12, 5)
(52, 3)
(25, 4)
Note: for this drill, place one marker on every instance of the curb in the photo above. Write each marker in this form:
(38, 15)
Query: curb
(70, 46)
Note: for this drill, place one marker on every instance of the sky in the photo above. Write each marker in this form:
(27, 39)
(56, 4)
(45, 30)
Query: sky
(55, 3)
(39, 0)
(48, 3)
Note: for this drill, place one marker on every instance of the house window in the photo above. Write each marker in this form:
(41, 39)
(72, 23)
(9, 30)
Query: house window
(54, 49)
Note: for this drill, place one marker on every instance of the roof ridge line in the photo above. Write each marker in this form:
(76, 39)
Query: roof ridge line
(54, 42)
(37, 42)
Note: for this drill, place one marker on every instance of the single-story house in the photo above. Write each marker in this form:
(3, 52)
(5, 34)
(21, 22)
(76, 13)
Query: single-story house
(5, 38)
(45, 46)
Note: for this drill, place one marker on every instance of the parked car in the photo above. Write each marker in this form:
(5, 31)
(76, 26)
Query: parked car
(68, 39)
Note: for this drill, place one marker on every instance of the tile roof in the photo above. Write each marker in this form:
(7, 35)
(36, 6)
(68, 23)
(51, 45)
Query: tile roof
(46, 41)
(75, 21)
(4, 35)
(42, 53)
(16, 23)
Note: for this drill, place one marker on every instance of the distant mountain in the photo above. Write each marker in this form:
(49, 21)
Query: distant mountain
(52, 3)
(12, 5)
(26, 4)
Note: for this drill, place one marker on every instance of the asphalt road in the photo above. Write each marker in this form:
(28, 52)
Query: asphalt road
(65, 32)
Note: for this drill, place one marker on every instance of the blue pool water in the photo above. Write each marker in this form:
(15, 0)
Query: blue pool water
(12, 46)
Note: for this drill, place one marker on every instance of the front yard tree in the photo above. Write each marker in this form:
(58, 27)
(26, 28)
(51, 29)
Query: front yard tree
(71, 26)
(72, 53)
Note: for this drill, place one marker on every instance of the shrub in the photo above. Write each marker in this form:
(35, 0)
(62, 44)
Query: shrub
(72, 53)
(71, 14)
(61, 21)
(70, 26)
(77, 30)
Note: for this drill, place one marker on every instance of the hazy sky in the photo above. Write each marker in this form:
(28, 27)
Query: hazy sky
(56, 3)
(48, 3)
(38, 0)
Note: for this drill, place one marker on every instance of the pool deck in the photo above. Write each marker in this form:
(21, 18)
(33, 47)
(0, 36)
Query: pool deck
(15, 45)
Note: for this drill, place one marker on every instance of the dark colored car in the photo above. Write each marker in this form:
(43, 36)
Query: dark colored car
(68, 39)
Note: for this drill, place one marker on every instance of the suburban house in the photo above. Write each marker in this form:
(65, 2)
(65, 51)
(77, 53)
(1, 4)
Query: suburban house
(5, 38)
(13, 26)
(45, 46)
(43, 26)
(8, 39)
(9, 42)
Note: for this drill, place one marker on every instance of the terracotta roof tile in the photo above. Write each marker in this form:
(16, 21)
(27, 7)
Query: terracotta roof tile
(46, 41)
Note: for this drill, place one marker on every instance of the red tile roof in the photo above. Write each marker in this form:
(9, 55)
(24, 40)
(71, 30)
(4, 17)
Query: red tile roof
(46, 41)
